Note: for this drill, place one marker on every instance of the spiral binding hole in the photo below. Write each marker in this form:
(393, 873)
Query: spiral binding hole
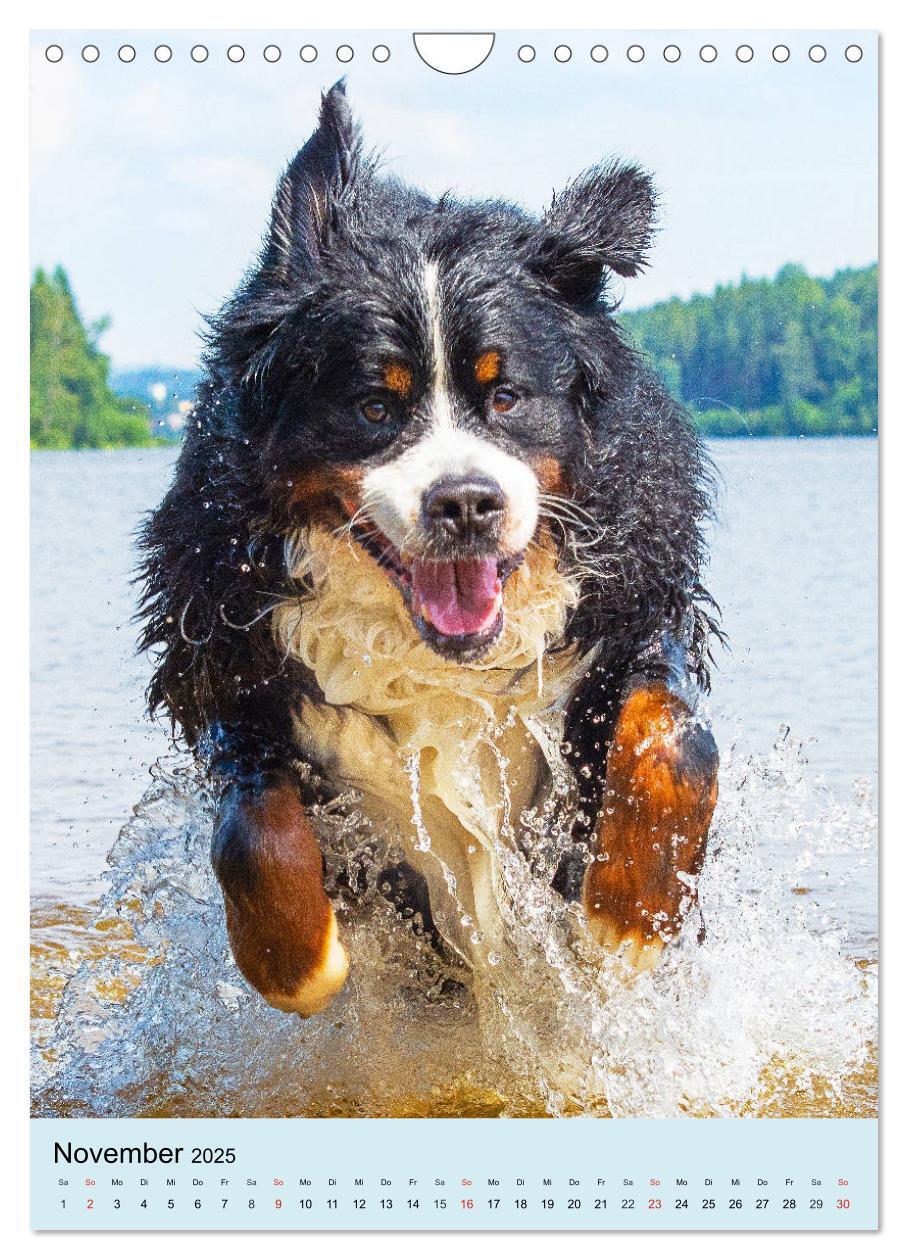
(635, 53)
(526, 53)
(672, 53)
(854, 53)
(381, 53)
(126, 53)
(562, 53)
(198, 53)
(308, 53)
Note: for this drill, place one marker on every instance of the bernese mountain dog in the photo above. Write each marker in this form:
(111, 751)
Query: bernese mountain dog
(434, 528)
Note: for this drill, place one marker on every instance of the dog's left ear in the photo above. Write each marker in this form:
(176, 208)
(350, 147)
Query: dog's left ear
(603, 221)
(310, 197)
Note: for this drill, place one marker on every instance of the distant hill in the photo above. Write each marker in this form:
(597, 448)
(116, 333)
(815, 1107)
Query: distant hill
(167, 392)
(784, 357)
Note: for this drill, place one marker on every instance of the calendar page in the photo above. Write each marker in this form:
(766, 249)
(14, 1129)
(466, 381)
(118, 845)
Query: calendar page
(454, 640)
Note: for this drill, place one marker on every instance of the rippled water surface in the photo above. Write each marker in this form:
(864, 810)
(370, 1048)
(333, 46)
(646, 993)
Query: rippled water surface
(137, 1005)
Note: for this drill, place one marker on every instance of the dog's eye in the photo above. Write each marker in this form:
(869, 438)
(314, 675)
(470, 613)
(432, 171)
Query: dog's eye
(504, 399)
(375, 411)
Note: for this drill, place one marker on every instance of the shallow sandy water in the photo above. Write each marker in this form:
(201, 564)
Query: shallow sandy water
(66, 937)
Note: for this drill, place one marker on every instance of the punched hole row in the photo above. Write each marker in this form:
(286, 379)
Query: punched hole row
(672, 53)
(525, 53)
(200, 53)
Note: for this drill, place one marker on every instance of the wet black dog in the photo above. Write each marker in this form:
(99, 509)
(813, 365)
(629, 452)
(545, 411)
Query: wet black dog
(431, 502)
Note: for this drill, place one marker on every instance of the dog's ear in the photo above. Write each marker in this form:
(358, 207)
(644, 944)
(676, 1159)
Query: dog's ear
(311, 194)
(601, 222)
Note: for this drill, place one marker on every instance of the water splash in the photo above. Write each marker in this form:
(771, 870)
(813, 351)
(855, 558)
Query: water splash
(770, 1015)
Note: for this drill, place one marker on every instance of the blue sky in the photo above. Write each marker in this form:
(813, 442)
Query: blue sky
(151, 183)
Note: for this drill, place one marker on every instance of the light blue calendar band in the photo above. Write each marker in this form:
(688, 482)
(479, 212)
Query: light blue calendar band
(462, 1174)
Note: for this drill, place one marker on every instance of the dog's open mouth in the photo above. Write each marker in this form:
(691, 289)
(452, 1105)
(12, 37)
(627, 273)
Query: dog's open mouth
(457, 605)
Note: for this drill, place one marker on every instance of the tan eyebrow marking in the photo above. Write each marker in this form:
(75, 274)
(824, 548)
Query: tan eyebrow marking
(398, 378)
(487, 367)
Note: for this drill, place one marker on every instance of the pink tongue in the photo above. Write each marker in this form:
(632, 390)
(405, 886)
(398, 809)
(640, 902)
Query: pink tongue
(457, 596)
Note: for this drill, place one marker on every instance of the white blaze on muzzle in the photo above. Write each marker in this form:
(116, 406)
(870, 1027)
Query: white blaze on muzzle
(393, 494)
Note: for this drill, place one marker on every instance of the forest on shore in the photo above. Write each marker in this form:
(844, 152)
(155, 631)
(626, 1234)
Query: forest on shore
(787, 357)
(72, 404)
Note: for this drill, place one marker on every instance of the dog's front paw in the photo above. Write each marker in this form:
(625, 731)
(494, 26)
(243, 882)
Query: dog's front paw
(281, 925)
(659, 795)
(321, 984)
(634, 945)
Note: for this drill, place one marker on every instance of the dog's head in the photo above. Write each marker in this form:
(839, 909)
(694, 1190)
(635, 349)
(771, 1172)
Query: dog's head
(421, 372)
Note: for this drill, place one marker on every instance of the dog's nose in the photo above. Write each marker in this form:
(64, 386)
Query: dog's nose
(464, 509)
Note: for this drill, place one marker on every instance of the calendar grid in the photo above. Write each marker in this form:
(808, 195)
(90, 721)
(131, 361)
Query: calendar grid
(454, 1174)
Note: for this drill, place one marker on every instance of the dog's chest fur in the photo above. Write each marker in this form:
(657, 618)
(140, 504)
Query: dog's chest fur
(445, 755)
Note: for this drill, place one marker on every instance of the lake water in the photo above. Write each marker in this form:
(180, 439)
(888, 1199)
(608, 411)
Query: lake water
(794, 706)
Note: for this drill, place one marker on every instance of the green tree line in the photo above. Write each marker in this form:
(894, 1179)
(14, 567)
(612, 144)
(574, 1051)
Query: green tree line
(72, 404)
(789, 356)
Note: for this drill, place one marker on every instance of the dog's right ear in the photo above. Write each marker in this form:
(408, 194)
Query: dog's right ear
(311, 194)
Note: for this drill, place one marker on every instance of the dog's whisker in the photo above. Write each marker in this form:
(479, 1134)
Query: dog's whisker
(571, 540)
(568, 510)
(565, 513)
(572, 511)
(361, 513)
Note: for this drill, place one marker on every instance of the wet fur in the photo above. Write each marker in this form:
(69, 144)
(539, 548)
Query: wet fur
(626, 484)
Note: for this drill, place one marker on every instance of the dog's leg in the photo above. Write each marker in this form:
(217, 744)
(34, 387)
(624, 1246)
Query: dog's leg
(281, 924)
(658, 801)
